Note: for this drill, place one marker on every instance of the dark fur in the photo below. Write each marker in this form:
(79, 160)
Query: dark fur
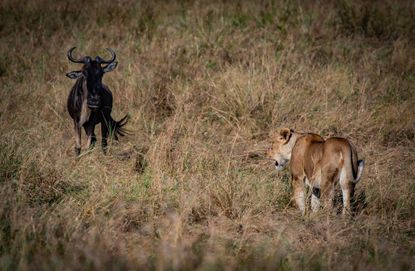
(99, 100)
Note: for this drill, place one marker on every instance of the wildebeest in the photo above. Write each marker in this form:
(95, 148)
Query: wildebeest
(90, 101)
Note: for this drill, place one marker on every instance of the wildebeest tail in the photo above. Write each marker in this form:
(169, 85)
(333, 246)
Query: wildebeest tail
(117, 127)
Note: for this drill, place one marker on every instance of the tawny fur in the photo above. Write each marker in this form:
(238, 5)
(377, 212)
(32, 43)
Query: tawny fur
(320, 164)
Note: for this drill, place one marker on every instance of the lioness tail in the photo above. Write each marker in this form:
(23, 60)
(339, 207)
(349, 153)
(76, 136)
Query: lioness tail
(360, 166)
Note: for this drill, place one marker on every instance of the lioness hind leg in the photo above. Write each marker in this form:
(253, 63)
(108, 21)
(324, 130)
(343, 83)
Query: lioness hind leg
(347, 187)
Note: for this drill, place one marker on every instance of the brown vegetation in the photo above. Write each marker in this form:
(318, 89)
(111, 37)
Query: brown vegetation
(204, 83)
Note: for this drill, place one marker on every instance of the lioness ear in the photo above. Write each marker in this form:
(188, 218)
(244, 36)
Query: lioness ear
(285, 133)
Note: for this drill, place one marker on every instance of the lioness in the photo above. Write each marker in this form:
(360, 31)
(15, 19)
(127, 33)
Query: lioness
(319, 163)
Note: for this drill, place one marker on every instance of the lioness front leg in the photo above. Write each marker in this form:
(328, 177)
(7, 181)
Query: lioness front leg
(298, 188)
(315, 199)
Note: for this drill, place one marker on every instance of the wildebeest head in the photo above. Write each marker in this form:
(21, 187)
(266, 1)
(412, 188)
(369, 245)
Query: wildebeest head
(92, 71)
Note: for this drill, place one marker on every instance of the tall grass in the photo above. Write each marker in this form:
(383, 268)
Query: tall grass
(205, 83)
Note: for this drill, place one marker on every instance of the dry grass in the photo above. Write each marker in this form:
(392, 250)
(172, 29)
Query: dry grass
(204, 83)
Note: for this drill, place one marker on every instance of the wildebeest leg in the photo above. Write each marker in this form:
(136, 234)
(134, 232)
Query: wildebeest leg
(89, 130)
(77, 138)
(104, 132)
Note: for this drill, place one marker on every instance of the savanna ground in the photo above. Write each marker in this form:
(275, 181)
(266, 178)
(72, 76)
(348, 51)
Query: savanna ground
(205, 83)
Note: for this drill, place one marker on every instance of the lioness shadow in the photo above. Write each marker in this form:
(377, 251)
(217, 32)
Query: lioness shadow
(358, 203)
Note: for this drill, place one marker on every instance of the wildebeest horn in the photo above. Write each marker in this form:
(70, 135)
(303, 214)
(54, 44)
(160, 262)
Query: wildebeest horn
(71, 58)
(103, 61)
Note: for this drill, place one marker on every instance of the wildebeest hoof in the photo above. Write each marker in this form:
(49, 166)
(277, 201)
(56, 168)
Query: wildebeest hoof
(77, 151)
(92, 146)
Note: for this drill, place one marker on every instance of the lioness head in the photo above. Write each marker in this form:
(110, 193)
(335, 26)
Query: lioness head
(281, 147)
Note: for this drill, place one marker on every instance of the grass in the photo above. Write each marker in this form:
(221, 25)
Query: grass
(205, 83)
